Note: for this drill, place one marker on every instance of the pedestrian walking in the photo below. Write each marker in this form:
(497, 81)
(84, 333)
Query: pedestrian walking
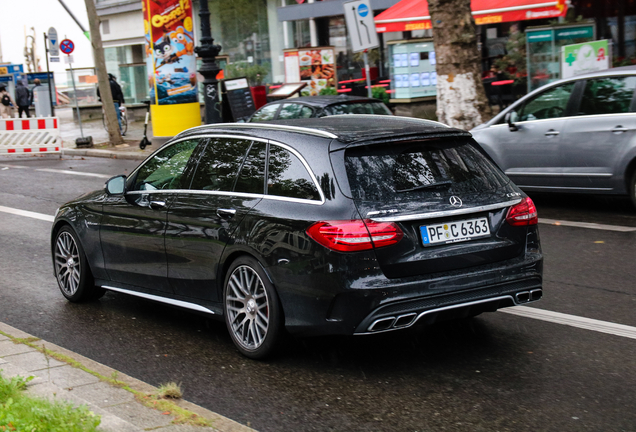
(24, 98)
(6, 101)
(118, 96)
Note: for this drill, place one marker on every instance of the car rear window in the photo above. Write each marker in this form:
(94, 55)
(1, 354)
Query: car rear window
(358, 108)
(406, 171)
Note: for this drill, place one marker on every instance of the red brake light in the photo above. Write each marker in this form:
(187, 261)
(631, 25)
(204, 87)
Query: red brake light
(524, 213)
(354, 235)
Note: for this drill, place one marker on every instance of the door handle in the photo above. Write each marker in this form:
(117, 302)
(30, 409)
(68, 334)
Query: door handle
(619, 129)
(551, 132)
(157, 205)
(225, 213)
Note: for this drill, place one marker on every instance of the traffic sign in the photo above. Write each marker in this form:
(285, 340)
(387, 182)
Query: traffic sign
(54, 49)
(55, 59)
(67, 46)
(360, 25)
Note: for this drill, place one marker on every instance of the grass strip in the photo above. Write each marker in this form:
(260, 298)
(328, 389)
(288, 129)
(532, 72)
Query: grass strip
(168, 407)
(20, 412)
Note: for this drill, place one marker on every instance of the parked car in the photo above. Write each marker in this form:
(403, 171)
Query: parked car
(340, 225)
(318, 106)
(573, 135)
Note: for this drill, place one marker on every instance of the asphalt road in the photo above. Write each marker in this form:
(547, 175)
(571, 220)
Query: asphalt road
(497, 372)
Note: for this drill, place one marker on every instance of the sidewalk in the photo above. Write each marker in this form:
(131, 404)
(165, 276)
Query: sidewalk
(70, 130)
(64, 375)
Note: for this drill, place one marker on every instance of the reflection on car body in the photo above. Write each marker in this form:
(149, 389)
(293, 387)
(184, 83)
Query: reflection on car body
(316, 226)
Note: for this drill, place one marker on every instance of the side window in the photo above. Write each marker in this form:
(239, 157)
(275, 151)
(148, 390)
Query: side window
(607, 96)
(251, 179)
(165, 170)
(266, 113)
(549, 104)
(306, 112)
(220, 164)
(288, 177)
(290, 111)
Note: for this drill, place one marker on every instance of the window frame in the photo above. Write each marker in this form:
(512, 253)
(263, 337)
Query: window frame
(198, 151)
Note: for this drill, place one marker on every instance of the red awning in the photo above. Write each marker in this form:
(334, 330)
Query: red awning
(413, 14)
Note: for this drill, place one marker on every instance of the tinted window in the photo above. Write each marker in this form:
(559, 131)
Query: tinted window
(288, 177)
(165, 169)
(252, 176)
(404, 171)
(607, 96)
(266, 113)
(549, 104)
(294, 111)
(358, 108)
(219, 164)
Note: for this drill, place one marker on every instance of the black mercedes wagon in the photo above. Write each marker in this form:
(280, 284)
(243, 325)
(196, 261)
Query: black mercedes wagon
(348, 225)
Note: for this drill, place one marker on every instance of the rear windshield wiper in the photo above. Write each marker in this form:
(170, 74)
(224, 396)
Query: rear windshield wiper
(426, 186)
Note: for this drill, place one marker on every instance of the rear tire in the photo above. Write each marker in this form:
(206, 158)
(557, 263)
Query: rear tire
(252, 310)
(73, 274)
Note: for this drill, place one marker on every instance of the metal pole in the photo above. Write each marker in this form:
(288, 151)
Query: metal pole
(366, 68)
(86, 33)
(209, 68)
(79, 116)
(48, 73)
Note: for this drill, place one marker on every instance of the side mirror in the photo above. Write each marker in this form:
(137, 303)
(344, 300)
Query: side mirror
(116, 185)
(511, 118)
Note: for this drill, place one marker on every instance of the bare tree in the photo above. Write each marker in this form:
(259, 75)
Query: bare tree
(102, 76)
(461, 98)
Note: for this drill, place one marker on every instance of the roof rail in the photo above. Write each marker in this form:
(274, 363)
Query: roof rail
(393, 117)
(309, 131)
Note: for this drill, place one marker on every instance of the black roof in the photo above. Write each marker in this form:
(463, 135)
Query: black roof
(326, 100)
(348, 129)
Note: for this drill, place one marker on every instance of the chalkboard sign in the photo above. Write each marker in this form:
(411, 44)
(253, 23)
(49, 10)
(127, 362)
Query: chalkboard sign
(239, 97)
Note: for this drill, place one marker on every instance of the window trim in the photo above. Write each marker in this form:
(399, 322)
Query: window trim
(238, 194)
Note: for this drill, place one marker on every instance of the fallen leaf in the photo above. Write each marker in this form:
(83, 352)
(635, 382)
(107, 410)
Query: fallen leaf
(166, 413)
(599, 242)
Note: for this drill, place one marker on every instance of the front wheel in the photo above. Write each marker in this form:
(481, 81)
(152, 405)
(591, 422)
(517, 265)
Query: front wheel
(252, 310)
(72, 272)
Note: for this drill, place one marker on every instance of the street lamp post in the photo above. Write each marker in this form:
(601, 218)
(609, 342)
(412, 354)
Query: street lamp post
(209, 69)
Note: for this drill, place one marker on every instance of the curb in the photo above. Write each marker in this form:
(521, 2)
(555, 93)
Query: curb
(106, 154)
(219, 422)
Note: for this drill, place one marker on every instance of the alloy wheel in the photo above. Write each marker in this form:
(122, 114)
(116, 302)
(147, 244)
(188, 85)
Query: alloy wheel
(247, 306)
(67, 263)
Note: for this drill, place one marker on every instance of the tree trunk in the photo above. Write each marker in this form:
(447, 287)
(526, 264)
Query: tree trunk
(102, 76)
(461, 98)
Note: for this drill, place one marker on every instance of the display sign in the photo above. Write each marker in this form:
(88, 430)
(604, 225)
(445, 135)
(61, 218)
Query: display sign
(360, 25)
(239, 97)
(287, 90)
(171, 65)
(316, 67)
(586, 57)
(413, 71)
(54, 49)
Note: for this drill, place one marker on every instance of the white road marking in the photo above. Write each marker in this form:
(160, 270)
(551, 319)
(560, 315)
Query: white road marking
(26, 213)
(573, 321)
(587, 225)
(74, 173)
(15, 166)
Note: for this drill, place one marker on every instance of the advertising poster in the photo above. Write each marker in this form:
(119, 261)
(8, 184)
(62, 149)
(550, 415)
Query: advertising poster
(586, 57)
(317, 69)
(171, 64)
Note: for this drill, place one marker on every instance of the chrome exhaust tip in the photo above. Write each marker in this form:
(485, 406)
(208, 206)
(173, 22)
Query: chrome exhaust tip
(536, 294)
(523, 297)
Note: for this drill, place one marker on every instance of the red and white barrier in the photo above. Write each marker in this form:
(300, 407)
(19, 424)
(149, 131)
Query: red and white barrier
(32, 135)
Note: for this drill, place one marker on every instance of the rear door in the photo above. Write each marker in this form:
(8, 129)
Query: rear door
(229, 181)
(595, 138)
(447, 197)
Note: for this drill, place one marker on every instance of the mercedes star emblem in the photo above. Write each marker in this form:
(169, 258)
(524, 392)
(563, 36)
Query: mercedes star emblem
(456, 201)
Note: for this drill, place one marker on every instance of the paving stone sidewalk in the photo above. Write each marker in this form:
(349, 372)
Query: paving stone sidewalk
(118, 408)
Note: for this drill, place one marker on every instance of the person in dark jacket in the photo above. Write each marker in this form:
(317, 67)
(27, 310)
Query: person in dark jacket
(118, 96)
(23, 98)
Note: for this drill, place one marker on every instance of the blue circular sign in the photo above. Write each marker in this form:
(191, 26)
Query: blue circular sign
(67, 46)
(363, 10)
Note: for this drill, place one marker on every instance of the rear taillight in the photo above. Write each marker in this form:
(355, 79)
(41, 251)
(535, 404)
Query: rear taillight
(354, 235)
(524, 213)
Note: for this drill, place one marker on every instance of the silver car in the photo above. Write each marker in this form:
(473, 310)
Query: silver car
(573, 135)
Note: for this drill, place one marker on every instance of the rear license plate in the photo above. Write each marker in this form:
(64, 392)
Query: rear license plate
(453, 232)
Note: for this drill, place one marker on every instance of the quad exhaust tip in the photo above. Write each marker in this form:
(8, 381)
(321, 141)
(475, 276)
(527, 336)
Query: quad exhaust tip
(528, 296)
